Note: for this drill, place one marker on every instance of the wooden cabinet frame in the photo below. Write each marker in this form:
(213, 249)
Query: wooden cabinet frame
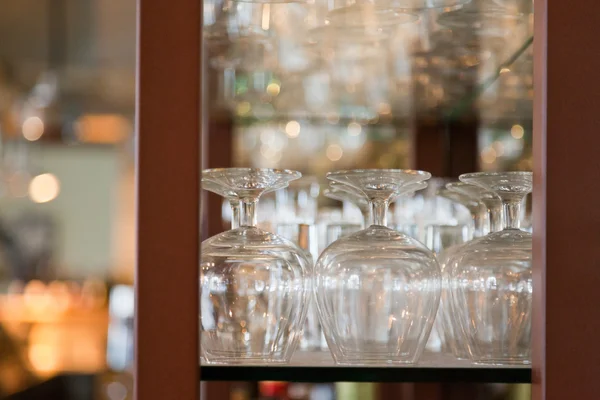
(566, 194)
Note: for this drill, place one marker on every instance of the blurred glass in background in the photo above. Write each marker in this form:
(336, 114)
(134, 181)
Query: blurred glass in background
(67, 91)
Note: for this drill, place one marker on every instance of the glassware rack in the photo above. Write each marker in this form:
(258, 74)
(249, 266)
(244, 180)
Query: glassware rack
(366, 67)
(168, 45)
(328, 79)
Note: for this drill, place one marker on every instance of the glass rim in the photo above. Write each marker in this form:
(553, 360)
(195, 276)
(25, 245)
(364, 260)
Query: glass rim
(413, 172)
(229, 194)
(452, 4)
(274, 171)
(279, 179)
(485, 19)
(406, 190)
(259, 2)
(472, 175)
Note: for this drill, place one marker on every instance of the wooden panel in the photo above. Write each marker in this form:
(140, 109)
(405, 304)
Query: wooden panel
(431, 146)
(566, 194)
(168, 167)
(463, 149)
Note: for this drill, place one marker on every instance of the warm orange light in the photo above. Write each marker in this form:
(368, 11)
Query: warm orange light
(43, 357)
(59, 295)
(102, 128)
(334, 152)
(273, 89)
(517, 131)
(488, 155)
(292, 129)
(44, 188)
(33, 128)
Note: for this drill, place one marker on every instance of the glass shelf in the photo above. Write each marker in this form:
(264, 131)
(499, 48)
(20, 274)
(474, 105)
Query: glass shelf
(318, 366)
(469, 99)
(246, 116)
(360, 60)
(394, 67)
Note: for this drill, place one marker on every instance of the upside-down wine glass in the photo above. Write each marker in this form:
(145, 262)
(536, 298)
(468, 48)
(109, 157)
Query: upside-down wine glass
(492, 202)
(378, 289)
(491, 279)
(254, 285)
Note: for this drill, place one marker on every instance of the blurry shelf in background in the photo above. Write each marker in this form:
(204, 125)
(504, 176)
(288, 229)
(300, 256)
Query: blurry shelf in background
(518, 90)
(467, 102)
(319, 367)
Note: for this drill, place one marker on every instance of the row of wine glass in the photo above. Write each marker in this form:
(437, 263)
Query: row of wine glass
(377, 292)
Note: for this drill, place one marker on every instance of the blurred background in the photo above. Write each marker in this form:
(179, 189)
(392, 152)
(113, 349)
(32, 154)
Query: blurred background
(67, 91)
(440, 101)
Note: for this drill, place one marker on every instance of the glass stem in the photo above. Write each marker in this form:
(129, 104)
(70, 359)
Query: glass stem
(379, 209)
(478, 222)
(248, 212)
(235, 213)
(511, 208)
(494, 210)
(495, 219)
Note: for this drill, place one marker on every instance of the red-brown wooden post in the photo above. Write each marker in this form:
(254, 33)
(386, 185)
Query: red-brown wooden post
(566, 350)
(168, 196)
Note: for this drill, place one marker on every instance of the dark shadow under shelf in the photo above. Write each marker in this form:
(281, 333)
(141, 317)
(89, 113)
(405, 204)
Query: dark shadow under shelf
(319, 367)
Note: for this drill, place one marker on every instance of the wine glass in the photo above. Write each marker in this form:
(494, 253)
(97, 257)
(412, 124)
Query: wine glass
(378, 289)
(474, 195)
(254, 285)
(491, 279)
